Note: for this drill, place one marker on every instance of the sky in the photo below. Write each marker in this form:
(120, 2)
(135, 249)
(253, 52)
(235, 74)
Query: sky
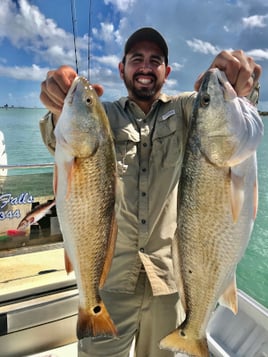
(37, 36)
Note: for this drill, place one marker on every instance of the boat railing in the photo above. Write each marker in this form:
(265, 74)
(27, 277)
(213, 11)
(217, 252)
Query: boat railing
(26, 166)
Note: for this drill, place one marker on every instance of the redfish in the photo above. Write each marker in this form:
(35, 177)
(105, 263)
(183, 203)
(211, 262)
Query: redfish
(84, 185)
(217, 206)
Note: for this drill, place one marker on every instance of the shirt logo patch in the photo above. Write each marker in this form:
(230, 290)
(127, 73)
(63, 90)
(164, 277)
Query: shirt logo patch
(168, 115)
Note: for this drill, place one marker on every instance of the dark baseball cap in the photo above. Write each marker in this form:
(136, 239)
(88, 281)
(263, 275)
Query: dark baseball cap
(147, 34)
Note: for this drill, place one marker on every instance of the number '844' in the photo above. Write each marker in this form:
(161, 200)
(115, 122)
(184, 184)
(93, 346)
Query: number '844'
(9, 214)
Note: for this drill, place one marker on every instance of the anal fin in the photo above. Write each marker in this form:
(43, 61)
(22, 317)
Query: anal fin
(229, 297)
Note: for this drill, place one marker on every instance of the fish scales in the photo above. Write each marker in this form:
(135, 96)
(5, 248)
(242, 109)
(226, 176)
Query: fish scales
(216, 208)
(85, 197)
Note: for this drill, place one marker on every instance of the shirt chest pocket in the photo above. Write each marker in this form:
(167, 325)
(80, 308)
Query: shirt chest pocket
(167, 147)
(126, 146)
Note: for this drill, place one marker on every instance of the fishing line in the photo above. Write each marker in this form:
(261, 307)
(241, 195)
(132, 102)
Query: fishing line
(89, 37)
(74, 23)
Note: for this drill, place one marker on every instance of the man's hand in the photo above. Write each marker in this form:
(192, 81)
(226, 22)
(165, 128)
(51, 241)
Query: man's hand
(242, 72)
(55, 88)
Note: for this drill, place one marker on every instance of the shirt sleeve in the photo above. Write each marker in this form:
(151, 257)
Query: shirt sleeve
(253, 96)
(47, 132)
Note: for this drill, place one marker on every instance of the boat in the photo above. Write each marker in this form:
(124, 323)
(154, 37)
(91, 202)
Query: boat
(45, 326)
(38, 300)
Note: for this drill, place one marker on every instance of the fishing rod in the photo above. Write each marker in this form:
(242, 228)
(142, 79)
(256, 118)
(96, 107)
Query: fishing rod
(89, 38)
(74, 25)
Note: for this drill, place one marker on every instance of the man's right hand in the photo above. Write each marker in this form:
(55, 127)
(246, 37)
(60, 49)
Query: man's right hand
(55, 88)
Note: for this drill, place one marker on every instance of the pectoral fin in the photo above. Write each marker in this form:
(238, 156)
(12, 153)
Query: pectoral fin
(237, 194)
(69, 167)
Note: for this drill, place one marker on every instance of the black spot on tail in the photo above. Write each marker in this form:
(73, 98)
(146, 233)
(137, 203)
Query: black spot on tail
(97, 309)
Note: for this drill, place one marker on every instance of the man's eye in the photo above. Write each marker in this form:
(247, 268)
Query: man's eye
(156, 63)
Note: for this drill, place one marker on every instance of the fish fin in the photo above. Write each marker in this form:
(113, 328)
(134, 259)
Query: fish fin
(55, 179)
(179, 341)
(69, 167)
(177, 271)
(237, 194)
(256, 200)
(229, 297)
(110, 251)
(95, 322)
(68, 265)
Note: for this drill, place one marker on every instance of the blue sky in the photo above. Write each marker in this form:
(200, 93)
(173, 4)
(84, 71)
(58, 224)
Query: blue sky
(36, 35)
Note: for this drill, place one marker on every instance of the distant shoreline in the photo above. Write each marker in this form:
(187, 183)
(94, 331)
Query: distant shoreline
(262, 113)
(7, 108)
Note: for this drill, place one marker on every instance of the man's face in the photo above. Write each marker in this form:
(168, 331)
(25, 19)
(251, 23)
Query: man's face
(144, 71)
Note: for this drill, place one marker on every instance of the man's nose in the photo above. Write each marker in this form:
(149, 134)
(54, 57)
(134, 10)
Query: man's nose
(146, 65)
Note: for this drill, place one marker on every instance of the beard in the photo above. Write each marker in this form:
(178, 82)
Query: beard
(142, 93)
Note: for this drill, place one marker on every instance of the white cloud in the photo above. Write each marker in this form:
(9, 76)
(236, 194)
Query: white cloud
(255, 21)
(202, 46)
(121, 5)
(33, 73)
(105, 33)
(171, 83)
(111, 61)
(176, 66)
(259, 54)
(225, 25)
(29, 30)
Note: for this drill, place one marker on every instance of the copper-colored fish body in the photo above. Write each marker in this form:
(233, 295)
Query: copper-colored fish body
(216, 208)
(85, 196)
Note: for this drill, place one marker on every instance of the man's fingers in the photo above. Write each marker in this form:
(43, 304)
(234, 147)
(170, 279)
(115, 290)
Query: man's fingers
(99, 89)
(241, 71)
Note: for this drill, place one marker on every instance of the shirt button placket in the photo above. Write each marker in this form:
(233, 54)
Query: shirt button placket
(143, 182)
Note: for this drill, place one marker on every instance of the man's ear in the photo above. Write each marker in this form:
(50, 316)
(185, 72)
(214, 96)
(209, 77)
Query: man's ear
(121, 70)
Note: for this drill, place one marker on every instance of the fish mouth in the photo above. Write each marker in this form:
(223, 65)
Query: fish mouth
(72, 90)
(228, 91)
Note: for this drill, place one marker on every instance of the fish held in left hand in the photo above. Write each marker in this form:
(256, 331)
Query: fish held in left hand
(84, 185)
(217, 206)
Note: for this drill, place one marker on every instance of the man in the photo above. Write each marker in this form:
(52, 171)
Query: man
(150, 130)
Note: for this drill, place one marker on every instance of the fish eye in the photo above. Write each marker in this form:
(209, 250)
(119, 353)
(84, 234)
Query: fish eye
(89, 101)
(205, 100)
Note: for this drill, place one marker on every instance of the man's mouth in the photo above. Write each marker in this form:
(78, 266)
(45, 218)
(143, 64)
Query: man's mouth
(144, 80)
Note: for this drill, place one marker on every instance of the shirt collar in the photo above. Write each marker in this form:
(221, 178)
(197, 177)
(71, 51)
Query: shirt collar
(162, 98)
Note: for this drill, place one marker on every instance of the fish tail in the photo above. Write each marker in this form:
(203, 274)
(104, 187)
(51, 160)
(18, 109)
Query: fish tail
(95, 322)
(178, 341)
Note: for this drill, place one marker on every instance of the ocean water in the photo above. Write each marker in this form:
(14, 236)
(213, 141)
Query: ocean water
(23, 140)
(24, 146)
(252, 272)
